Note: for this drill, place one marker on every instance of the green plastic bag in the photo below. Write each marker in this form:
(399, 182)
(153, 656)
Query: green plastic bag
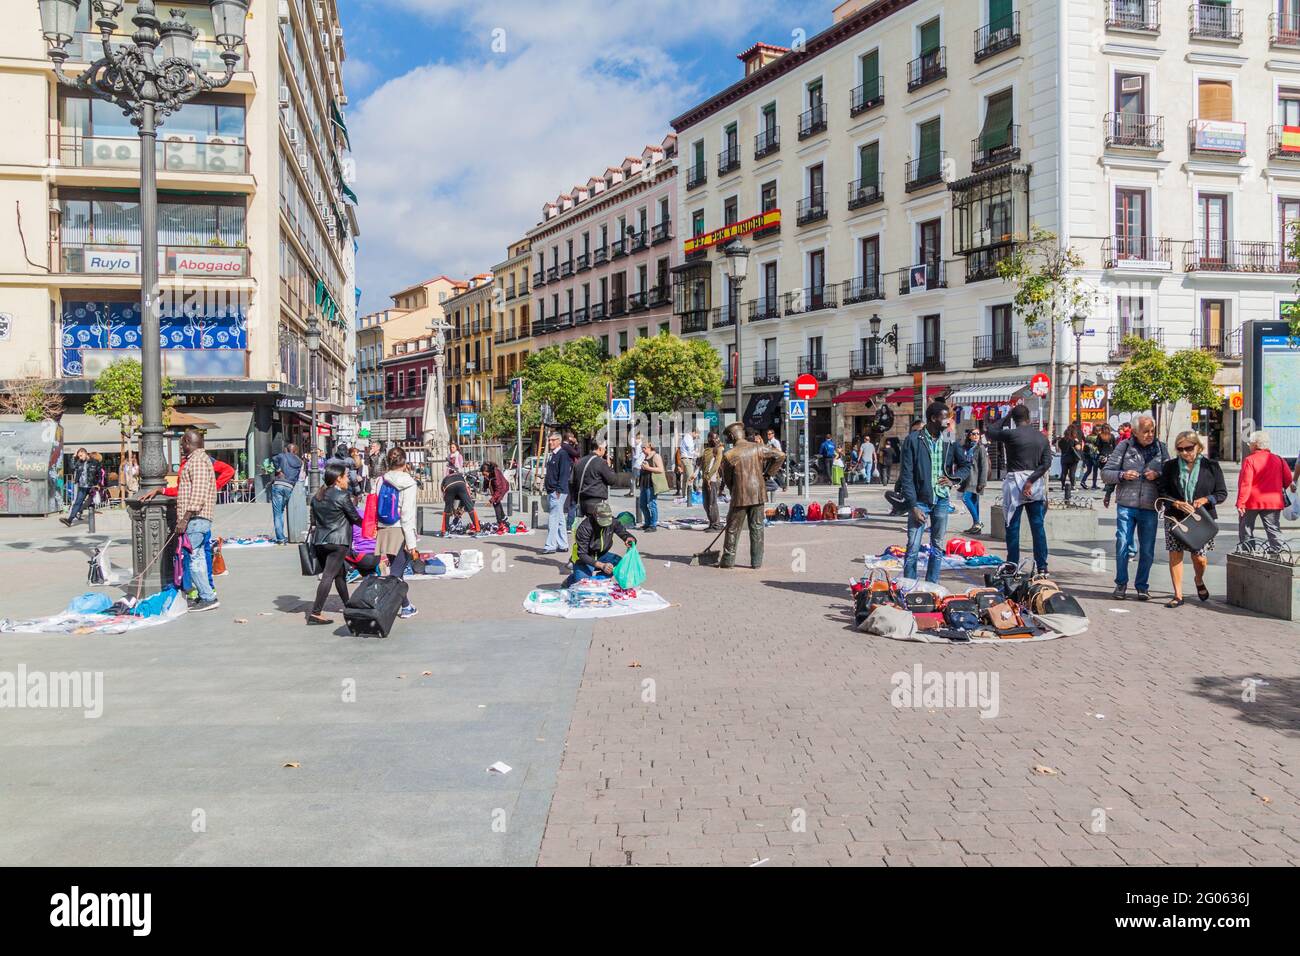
(630, 572)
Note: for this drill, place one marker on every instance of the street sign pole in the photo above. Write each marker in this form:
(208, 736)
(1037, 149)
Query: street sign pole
(806, 489)
(785, 427)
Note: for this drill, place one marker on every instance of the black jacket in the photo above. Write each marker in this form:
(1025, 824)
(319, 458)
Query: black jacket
(85, 474)
(915, 479)
(333, 516)
(1209, 484)
(592, 478)
(1027, 447)
(559, 472)
(593, 540)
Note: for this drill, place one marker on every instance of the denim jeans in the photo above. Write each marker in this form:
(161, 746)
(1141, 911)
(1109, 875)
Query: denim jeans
(867, 469)
(1143, 522)
(1037, 530)
(649, 507)
(199, 573)
(557, 526)
(279, 501)
(972, 502)
(582, 571)
(916, 531)
(78, 503)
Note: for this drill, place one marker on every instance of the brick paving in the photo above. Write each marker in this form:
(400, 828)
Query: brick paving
(770, 737)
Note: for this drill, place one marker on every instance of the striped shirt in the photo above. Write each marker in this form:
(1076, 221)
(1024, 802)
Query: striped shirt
(196, 488)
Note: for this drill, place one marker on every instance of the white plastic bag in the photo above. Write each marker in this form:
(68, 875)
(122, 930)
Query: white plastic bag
(1292, 512)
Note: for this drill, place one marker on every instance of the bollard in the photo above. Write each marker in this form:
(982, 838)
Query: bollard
(532, 513)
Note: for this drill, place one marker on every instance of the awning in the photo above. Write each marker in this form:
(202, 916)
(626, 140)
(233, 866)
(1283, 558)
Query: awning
(85, 431)
(347, 191)
(337, 119)
(857, 395)
(763, 410)
(225, 431)
(986, 392)
(179, 419)
(904, 395)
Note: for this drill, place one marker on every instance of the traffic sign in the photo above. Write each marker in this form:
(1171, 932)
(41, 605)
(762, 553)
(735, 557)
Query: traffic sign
(468, 423)
(1040, 385)
(621, 410)
(798, 410)
(805, 386)
(516, 391)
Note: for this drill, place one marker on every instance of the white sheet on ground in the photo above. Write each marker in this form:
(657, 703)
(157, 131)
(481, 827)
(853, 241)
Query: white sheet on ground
(555, 603)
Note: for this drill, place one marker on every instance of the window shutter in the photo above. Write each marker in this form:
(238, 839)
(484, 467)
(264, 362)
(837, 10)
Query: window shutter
(1215, 100)
(929, 148)
(871, 75)
(930, 37)
(999, 15)
(869, 164)
(997, 122)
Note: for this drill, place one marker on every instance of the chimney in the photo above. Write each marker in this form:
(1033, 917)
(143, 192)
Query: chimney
(760, 55)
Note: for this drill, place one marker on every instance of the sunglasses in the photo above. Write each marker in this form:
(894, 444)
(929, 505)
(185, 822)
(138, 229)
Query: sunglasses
(1182, 448)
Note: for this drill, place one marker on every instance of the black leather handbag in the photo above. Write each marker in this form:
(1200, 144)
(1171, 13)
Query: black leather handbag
(312, 566)
(1192, 531)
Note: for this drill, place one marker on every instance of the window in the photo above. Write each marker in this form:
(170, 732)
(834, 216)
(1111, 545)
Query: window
(814, 94)
(1132, 315)
(816, 358)
(1288, 215)
(729, 139)
(1214, 100)
(664, 328)
(767, 303)
(1131, 224)
(929, 139)
(1212, 227)
(998, 118)
(622, 342)
(869, 166)
(869, 261)
(1000, 15)
(769, 117)
(643, 332)
(930, 339)
(930, 251)
(816, 180)
(1000, 326)
(442, 297)
(929, 37)
(730, 211)
(1214, 325)
(817, 273)
(768, 200)
(697, 222)
(869, 73)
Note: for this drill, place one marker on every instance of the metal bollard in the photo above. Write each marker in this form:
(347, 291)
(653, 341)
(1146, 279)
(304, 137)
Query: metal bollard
(533, 507)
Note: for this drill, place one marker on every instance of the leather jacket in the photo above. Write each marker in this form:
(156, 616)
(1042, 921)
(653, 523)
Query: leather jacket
(745, 470)
(85, 474)
(333, 516)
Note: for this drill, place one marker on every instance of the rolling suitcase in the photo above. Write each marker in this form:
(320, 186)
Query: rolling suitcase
(374, 605)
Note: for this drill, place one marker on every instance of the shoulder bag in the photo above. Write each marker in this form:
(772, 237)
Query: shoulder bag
(308, 559)
(1193, 531)
(658, 479)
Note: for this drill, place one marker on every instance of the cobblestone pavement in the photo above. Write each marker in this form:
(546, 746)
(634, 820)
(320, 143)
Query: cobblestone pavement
(750, 724)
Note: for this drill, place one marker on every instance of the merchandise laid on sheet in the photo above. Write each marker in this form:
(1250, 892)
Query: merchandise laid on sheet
(593, 597)
(252, 541)
(891, 559)
(491, 530)
(94, 613)
(446, 565)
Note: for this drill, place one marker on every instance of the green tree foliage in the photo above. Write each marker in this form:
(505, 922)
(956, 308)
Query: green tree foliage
(573, 379)
(1291, 310)
(671, 373)
(498, 422)
(1044, 275)
(119, 397)
(1158, 381)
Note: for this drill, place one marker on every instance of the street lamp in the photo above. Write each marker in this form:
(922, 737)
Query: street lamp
(1078, 321)
(890, 338)
(148, 76)
(313, 347)
(735, 268)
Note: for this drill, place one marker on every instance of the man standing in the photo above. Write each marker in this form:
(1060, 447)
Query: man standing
(710, 474)
(592, 478)
(867, 459)
(1134, 469)
(975, 482)
(690, 450)
(1024, 487)
(196, 506)
(559, 472)
(931, 468)
(638, 459)
(288, 468)
(745, 470)
(374, 465)
(827, 452)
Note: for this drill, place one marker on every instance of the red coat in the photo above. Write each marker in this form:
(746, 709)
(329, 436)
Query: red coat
(224, 474)
(500, 487)
(1264, 476)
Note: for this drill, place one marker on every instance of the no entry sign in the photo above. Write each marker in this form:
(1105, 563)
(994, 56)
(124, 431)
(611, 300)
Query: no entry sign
(1040, 385)
(805, 386)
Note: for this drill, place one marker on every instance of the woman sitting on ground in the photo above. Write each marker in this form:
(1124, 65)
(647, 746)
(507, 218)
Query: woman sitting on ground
(332, 514)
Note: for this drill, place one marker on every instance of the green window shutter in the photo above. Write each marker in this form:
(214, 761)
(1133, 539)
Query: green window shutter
(999, 14)
(930, 138)
(930, 37)
(871, 75)
(997, 122)
(869, 164)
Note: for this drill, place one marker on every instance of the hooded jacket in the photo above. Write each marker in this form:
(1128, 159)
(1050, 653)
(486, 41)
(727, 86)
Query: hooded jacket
(406, 505)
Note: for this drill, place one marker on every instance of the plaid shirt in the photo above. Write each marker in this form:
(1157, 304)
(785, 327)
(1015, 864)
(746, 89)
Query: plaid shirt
(935, 447)
(196, 491)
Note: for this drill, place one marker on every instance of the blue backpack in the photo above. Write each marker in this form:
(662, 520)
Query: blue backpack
(796, 513)
(387, 510)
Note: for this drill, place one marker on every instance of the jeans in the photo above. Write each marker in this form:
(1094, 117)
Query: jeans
(279, 501)
(868, 468)
(971, 500)
(648, 505)
(583, 571)
(557, 525)
(1090, 469)
(886, 474)
(636, 482)
(916, 531)
(78, 503)
(1037, 530)
(1143, 522)
(195, 532)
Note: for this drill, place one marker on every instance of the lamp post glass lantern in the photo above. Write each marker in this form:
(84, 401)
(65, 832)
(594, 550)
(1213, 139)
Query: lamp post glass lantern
(148, 75)
(735, 268)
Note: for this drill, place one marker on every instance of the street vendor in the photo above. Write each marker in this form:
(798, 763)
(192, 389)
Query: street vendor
(594, 541)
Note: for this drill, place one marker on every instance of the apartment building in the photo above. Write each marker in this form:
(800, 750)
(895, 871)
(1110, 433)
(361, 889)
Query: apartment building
(603, 253)
(370, 356)
(406, 372)
(468, 362)
(880, 172)
(512, 334)
(257, 227)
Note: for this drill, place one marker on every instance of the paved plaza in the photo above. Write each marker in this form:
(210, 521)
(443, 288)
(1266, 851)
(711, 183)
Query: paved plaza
(747, 724)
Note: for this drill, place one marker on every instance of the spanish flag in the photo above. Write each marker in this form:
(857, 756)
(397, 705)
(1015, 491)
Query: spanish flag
(1291, 139)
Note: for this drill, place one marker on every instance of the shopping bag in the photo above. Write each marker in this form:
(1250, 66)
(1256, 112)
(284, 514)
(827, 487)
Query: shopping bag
(370, 517)
(1292, 512)
(630, 571)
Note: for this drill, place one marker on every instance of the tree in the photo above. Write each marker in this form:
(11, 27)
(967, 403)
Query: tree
(32, 399)
(119, 397)
(1048, 289)
(1291, 310)
(1152, 379)
(671, 373)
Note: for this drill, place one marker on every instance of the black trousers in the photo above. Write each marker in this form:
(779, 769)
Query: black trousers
(500, 508)
(711, 504)
(335, 573)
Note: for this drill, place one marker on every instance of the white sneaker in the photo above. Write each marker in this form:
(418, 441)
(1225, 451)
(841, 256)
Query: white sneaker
(408, 611)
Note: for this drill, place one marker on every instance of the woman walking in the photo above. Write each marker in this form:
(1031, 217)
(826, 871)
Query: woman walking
(649, 506)
(1192, 481)
(1261, 491)
(397, 541)
(333, 514)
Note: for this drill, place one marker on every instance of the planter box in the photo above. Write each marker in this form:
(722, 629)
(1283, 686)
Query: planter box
(1263, 586)
(1070, 525)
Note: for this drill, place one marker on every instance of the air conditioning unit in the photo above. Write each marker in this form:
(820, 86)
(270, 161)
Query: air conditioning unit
(120, 152)
(320, 13)
(325, 39)
(331, 67)
(343, 99)
(302, 159)
(320, 197)
(292, 133)
(180, 151)
(284, 96)
(284, 11)
(338, 33)
(222, 155)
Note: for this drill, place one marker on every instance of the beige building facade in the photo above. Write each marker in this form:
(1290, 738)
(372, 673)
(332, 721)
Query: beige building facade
(512, 334)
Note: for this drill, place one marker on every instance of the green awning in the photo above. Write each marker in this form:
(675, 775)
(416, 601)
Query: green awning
(1000, 15)
(337, 119)
(996, 133)
(869, 164)
(871, 76)
(347, 191)
(328, 307)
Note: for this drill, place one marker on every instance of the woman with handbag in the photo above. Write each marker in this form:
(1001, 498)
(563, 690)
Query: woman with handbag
(654, 482)
(1190, 486)
(332, 515)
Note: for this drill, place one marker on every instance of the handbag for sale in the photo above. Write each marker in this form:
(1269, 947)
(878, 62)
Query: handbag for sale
(1192, 531)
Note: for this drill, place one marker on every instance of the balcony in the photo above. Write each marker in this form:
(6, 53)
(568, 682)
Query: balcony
(697, 175)
(767, 372)
(927, 68)
(503, 335)
(1139, 16)
(1120, 349)
(510, 294)
(638, 241)
(1135, 131)
(1136, 252)
(982, 264)
(867, 97)
(553, 273)
(600, 256)
(597, 311)
(564, 320)
(767, 142)
(926, 171)
(695, 322)
(814, 365)
(566, 269)
(1212, 21)
(811, 299)
(637, 302)
(813, 121)
(995, 351)
(582, 263)
(925, 357)
(1284, 142)
(1217, 138)
(501, 381)
(1220, 343)
(724, 316)
(862, 289)
(992, 39)
(662, 232)
(923, 277)
(728, 378)
(660, 295)
(866, 363)
(541, 327)
(582, 316)
(728, 160)
(765, 308)
(617, 306)
(539, 280)
(991, 150)
(124, 259)
(618, 248)
(1284, 29)
(215, 155)
(812, 209)
(866, 192)
(698, 255)
(1226, 255)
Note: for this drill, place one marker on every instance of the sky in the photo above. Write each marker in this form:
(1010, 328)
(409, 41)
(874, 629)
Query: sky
(467, 115)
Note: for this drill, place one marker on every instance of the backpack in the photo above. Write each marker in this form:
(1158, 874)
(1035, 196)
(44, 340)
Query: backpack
(783, 512)
(796, 512)
(829, 512)
(814, 512)
(387, 509)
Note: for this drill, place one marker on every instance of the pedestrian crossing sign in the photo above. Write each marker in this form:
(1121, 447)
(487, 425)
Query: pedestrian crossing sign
(798, 409)
(621, 410)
